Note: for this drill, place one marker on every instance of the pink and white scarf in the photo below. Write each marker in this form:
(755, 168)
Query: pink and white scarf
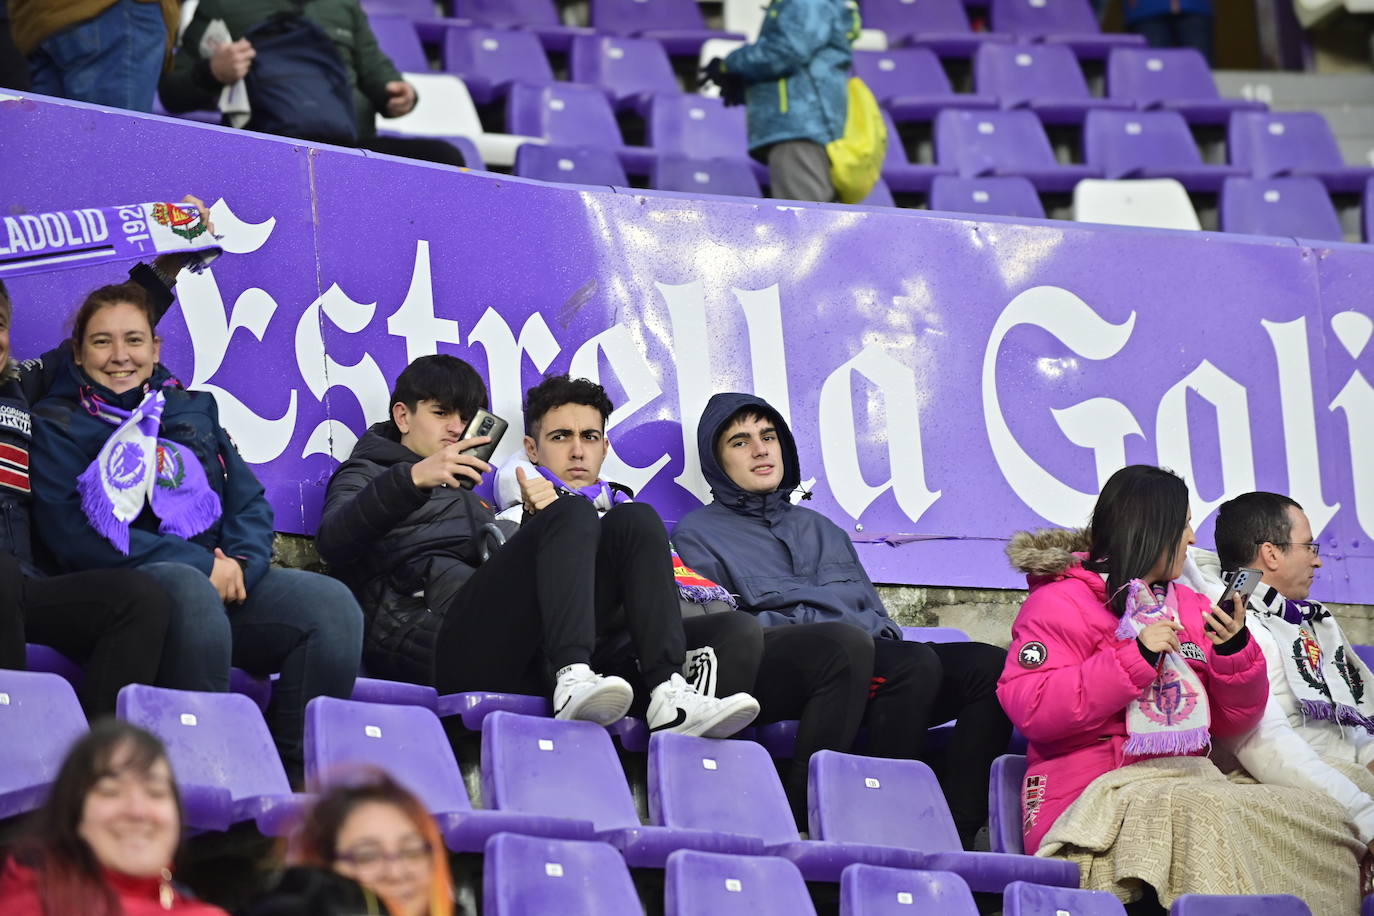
(1171, 717)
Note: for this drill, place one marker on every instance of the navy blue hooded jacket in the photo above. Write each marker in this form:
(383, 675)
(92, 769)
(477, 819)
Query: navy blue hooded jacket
(787, 564)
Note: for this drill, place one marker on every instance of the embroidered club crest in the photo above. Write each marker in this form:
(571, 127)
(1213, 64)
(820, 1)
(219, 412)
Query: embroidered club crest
(1350, 672)
(1032, 655)
(171, 467)
(1168, 700)
(1307, 652)
(183, 221)
(124, 467)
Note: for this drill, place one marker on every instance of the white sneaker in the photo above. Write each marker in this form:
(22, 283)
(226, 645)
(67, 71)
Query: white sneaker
(675, 706)
(583, 694)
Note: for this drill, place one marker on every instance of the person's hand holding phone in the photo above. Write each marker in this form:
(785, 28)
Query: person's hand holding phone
(1220, 625)
(450, 467)
(536, 491)
(1161, 637)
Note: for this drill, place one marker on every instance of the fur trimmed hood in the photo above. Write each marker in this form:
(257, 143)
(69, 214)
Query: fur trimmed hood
(1047, 551)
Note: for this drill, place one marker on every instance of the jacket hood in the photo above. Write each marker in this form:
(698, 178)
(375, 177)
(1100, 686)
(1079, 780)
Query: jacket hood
(381, 444)
(1047, 552)
(718, 412)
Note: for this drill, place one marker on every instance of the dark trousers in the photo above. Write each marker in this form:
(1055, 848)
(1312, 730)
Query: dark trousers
(565, 584)
(111, 622)
(917, 685)
(1178, 30)
(430, 149)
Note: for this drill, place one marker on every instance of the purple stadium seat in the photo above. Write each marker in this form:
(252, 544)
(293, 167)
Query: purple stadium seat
(899, 804)
(866, 890)
(880, 196)
(409, 743)
(569, 164)
(568, 114)
(1175, 79)
(702, 128)
(489, 60)
(377, 690)
(41, 718)
(1005, 783)
(526, 876)
(991, 196)
(410, 9)
(677, 24)
(222, 754)
(992, 143)
(46, 658)
(1366, 654)
(732, 177)
(700, 784)
(1292, 143)
(629, 70)
(710, 884)
(1021, 898)
(257, 689)
(537, 16)
(1368, 210)
(474, 706)
(397, 38)
(1067, 22)
(901, 174)
(934, 634)
(1241, 905)
(1044, 78)
(1297, 207)
(1367, 906)
(569, 770)
(911, 84)
(1150, 144)
(941, 25)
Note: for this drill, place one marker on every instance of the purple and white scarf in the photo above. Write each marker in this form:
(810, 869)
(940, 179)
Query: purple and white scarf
(39, 242)
(136, 468)
(1171, 717)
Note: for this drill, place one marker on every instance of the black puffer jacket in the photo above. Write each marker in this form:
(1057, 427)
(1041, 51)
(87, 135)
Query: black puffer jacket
(404, 551)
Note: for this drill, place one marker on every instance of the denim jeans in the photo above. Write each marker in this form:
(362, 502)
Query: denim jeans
(112, 59)
(1178, 30)
(304, 625)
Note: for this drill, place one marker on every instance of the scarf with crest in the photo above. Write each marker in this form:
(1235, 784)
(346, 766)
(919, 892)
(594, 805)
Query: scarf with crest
(1171, 717)
(135, 467)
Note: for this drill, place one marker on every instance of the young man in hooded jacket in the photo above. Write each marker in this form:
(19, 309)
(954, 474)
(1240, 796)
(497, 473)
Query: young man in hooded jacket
(790, 565)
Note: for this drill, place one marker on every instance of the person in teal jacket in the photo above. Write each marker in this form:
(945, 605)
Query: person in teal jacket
(795, 79)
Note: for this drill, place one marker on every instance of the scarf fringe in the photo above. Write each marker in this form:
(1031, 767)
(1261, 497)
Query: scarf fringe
(193, 517)
(702, 594)
(100, 511)
(1168, 743)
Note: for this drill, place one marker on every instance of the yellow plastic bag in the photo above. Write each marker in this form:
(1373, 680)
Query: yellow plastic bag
(856, 158)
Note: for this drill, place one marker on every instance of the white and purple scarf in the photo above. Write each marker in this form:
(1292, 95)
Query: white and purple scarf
(1171, 717)
(136, 468)
(39, 242)
(1326, 676)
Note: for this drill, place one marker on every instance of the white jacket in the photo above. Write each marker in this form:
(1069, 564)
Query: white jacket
(1283, 749)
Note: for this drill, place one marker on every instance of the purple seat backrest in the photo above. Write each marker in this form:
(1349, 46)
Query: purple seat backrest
(41, 718)
(934, 634)
(1118, 141)
(523, 875)
(569, 164)
(1282, 143)
(554, 768)
(213, 739)
(722, 786)
(257, 689)
(711, 884)
(997, 196)
(1153, 74)
(977, 142)
(1366, 653)
(733, 177)
(1005, 782)
(696, 126)
(880, 196)
(411, 9)
(902, 71)
(856, 799)
(406, 741)
(499, 55)
(507, 13)
(1368, 237)
(625, 66)
(869, 890)
(1299, 207)
(564, 113)
(1043, 17)
(397, 38)
(1240, 905)
(1022, 898)
(45, 658)
(896, 153)
(628, 17)
(906, 17)
(1024, 71)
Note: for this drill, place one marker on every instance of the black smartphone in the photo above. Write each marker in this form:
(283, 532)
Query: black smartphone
(1241, 582)
(483, 423)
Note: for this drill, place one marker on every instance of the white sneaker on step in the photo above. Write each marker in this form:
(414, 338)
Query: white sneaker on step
(675, 706)
(581, 693)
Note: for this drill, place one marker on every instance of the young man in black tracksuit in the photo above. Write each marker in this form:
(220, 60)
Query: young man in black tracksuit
(451, 605)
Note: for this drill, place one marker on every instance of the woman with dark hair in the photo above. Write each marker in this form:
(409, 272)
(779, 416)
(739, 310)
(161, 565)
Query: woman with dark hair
(103, 843)
(132, 470)
(1119, 677)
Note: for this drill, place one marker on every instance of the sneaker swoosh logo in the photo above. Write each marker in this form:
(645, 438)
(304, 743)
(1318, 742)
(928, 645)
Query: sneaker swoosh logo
(677, 720)
(559, 711)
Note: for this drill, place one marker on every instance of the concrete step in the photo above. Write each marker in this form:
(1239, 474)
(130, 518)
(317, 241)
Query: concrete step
(1287, 91)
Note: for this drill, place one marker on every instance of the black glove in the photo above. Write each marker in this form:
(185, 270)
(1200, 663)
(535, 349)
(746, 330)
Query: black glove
(731, 85)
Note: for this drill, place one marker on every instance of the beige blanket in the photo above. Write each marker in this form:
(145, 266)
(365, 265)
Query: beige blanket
(1180, 826)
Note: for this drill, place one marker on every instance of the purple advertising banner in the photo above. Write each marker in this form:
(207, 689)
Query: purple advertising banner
(949, 381)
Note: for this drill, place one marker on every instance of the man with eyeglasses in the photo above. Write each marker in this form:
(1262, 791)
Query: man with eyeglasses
(1317, 732)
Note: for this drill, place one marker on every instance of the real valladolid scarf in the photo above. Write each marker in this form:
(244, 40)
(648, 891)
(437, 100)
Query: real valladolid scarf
(136, 468)
(1171, 716)
(39, 242)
